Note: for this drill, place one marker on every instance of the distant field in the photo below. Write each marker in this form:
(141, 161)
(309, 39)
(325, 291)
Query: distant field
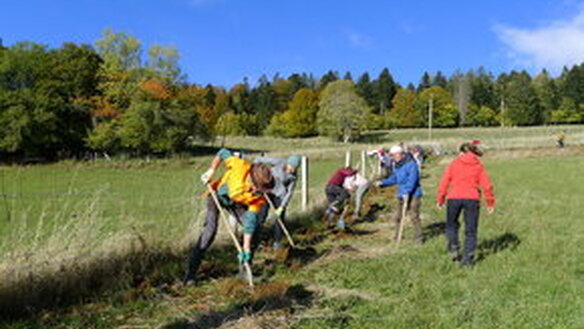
(448, 139)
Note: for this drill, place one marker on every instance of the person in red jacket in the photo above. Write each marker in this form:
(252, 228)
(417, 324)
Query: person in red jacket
(460, 188)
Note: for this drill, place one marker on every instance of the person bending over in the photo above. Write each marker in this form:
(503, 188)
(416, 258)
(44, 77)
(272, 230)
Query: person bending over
(241, 192)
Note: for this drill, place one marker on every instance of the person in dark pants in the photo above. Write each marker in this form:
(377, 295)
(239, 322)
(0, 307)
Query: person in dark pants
(406, 175)
(461, 187)
(337, 195)
(241, 191)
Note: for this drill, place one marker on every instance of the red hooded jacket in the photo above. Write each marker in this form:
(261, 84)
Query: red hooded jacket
(463, 178)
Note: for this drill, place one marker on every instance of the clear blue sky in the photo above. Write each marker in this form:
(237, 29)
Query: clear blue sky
(221, 41)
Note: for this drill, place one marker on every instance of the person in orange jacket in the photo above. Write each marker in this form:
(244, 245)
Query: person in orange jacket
(460, 188)
(241, 190)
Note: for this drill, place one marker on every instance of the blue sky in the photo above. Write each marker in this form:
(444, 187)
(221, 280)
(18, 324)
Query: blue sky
(221, 41)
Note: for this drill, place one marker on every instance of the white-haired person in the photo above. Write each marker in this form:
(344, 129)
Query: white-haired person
(406, 175)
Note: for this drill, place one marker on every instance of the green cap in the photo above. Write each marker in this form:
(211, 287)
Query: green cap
(294, 160)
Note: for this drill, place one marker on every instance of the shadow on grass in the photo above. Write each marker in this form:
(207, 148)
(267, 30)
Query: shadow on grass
(371, 214)
(261, 302)
(433, 230)
(492, 246)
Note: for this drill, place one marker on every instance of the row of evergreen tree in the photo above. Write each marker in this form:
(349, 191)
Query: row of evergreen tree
(112, 97)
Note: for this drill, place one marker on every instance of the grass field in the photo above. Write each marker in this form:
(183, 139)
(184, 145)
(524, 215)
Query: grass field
(531, 274)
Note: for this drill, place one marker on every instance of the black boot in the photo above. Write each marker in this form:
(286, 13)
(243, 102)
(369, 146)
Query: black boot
(454, 253)
(192, 266)
(467, 260)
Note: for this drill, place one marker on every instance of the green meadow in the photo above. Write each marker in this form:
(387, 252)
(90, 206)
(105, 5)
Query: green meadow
(63, 220)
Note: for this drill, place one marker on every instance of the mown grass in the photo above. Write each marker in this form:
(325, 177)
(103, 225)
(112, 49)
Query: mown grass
(531, 274)
(444, 138)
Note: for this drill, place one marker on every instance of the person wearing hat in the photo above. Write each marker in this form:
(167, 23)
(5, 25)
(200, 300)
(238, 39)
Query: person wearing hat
(285, 173)
(406, 176)
(460, 188)
(241, 191)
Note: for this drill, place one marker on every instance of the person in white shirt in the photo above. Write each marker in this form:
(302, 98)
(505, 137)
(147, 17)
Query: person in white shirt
(357, 185)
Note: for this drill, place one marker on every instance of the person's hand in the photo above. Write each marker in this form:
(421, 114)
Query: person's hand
(279, 211)
(206, 176)
(439, 205)
(244, 257)
(490, 210)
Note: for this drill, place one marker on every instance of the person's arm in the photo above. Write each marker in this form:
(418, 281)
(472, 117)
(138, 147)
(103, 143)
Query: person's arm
(222, 155)
(412, 178)
(443, 187)
(289, 192)
(487, 187)
(389, 181)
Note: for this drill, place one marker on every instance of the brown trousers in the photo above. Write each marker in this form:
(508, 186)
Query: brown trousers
(413, 212)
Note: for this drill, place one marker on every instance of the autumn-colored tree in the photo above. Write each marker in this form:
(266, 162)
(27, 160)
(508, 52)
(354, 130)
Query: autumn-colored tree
(120, 72)
(342, 112)
(444, 113)
(404, 112)
(155, 88)
(300, 118)
(230, 124)
(481, 116)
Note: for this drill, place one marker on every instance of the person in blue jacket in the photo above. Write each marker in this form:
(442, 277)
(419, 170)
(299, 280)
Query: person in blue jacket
(406, 175)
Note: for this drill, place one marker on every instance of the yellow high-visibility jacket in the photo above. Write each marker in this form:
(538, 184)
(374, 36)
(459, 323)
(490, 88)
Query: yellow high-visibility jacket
(238, 183)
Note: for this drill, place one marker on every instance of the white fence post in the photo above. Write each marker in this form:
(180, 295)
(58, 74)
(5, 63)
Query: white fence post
(304, 204)
(348, 159)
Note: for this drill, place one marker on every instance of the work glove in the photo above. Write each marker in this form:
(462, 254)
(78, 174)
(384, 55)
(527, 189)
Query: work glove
(279, 211)
(206, 176)
(244, 257)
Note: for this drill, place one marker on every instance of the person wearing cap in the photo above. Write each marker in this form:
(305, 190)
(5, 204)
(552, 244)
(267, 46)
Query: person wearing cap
(460, 188)
(284, 171)
(406, 176)
(241, 191)
(337, 195)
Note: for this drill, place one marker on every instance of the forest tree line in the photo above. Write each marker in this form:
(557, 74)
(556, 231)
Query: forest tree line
(116, 97)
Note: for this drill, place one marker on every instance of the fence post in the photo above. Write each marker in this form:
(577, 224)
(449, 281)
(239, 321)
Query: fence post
(348, 159)
(304, 204)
